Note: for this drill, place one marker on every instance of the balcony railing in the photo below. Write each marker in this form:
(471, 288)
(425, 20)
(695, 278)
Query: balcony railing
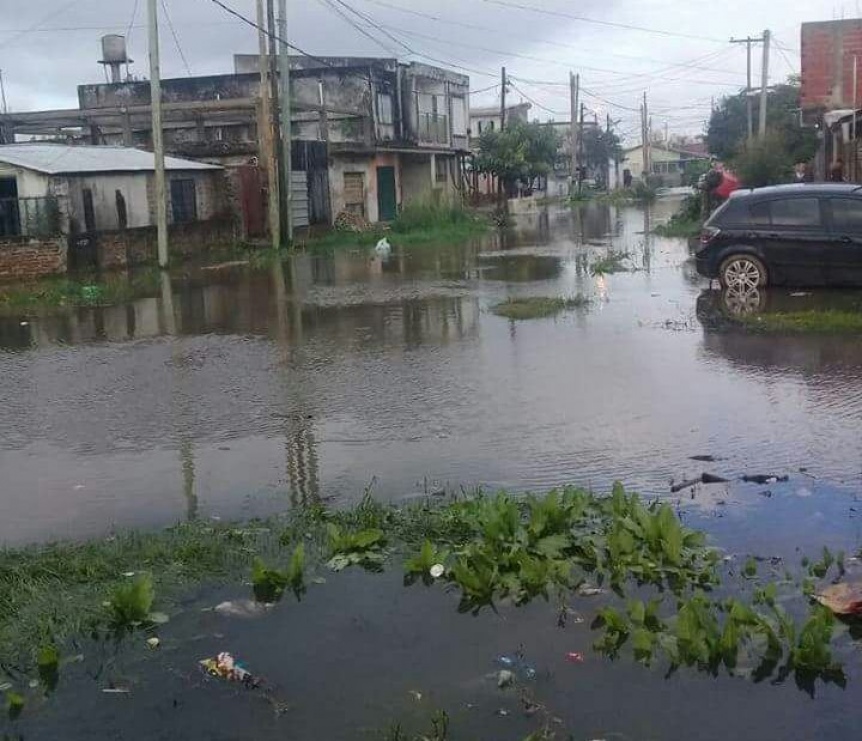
(433, 128)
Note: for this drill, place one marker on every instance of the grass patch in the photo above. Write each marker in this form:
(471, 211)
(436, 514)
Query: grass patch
(613, 262)
(418, 223)
(490, 549)
(832, 321)
(679, 227)
(537, 307)
(82, 291)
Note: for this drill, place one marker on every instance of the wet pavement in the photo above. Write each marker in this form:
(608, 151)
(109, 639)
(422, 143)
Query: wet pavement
(238, 392)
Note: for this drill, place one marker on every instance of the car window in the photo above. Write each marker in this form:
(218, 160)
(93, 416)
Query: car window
(798, 212)
(847, 215)
(731, 212)
(759, 214)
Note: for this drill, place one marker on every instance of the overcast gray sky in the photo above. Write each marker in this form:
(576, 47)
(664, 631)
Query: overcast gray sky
(676, 50)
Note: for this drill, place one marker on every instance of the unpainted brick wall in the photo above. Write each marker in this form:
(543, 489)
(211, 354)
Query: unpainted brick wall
(24, 258)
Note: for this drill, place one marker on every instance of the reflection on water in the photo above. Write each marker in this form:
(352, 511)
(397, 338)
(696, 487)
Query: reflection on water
(235, 392)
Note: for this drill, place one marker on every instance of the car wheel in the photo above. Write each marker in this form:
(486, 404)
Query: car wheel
(742, 272)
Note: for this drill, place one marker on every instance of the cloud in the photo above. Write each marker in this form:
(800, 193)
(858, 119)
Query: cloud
(43, 66)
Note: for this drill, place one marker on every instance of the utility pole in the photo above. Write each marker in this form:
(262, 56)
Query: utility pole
(502, 196)
(854, 163)
(575, 92)
(607, 151)
(158, 138)
(285, 110)
(749, 107)
(645, 138)
(274, 87)
(764, 86)
(3, 93)
(581, 148)
(265, 134)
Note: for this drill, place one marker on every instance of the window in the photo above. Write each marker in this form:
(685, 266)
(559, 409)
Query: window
(354, 192)
(441, 169)
(803, 212)
(459, 116)
(384, 109)
(847, 215)
(184, 206)
(760, 214)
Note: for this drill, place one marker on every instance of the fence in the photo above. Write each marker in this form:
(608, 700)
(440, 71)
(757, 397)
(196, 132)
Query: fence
(30, 217)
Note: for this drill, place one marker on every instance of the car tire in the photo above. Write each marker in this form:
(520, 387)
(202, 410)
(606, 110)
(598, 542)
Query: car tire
(742, 271)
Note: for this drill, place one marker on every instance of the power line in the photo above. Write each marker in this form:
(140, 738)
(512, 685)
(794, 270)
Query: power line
(477, 27)
(610, 24)
(35, 26)
(535, 103)
(174, 34)
(352, 23)
(131, 23)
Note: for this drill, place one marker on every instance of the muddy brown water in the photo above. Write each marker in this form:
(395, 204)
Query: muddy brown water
(237, 392)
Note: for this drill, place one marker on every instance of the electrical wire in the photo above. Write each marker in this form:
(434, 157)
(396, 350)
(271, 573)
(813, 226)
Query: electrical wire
(131, 23)
(486, 29)
(176, 38)
(36, 26)
(610, 24)
(341, 14)
(537, 104)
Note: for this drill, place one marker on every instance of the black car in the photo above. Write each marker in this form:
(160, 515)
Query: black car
(806, 234)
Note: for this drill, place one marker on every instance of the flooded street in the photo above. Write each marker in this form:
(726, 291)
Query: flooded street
(240, 392)
(243, 391)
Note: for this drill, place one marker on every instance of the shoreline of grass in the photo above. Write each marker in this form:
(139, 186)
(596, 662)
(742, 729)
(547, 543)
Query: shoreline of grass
(537, 307)
(812, 322)
(494, 550)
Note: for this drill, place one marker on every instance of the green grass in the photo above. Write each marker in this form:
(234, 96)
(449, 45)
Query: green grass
(679, 227)
(833, 321)
(419, 223)
(84, 291)
(490, 549)
(537, 307)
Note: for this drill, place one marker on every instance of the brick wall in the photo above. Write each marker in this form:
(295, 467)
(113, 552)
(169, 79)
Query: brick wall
(827, 50)
(23, 258)
(119, 249)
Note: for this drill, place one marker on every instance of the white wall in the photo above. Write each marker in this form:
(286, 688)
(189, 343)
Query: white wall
(104, 187)
(30, 184)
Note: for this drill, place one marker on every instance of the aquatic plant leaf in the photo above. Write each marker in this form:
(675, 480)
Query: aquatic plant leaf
(48, 665)
(842, 599)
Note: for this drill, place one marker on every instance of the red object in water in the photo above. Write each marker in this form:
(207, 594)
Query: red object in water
(574, 657)
(729, 183)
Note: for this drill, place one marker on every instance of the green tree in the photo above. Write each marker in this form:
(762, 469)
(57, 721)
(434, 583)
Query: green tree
(728, 125)
(601, 147)
(765, 161)
(519, 152)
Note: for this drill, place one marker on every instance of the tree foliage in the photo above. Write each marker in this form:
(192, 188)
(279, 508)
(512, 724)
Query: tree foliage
(728, 125)
(765, 161)
(601, 147)
(519, 152)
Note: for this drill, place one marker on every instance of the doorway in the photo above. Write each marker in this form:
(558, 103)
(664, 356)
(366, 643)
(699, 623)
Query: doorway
(387, 201)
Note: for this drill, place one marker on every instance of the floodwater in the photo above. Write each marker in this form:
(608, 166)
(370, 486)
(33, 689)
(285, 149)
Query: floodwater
(237, 392)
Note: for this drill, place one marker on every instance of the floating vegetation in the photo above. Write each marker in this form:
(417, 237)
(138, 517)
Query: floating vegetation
(537, 307)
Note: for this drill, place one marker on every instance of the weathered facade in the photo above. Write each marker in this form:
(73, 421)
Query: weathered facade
(369, 135)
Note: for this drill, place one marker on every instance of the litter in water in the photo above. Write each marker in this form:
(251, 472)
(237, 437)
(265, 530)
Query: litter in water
(517, 666)
(765, 479)
(505, 678)
(225, 666)
(575, 657)
(242, 608)
(842, 599)
(116, 691)
(585, 590)
(153, 643)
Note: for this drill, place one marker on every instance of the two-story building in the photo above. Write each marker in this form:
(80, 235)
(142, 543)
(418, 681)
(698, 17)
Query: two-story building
(369, 135)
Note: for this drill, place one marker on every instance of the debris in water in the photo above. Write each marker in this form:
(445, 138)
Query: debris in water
(503, 713)
(153, 642)
(799, 294)
(704, 458)
(585, 590)
(437, 570)
(116, 691)
(706, 478)
(24, 324)
(416, 695)
(226, 667)
(842, 599)
(505, 678)
(767, 494)
(242, 608)
(765, 479)
(575, 657)
(517, 665)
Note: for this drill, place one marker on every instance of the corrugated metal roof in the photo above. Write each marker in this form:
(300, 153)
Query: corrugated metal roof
(62, 159)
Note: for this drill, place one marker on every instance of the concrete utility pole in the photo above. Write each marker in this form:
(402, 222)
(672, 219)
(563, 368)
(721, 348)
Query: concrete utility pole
(265, 133)
(581, 148)
(764, 86)
(3, 93)
(749, 107)
(645, 138)
(502, 196)
(285, 111)
(158, 138)
(575, 92)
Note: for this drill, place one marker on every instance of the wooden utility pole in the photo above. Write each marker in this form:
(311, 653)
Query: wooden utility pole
(575, 92)
(764, 84)
(275, 89)
(158, 138)
(3, 93)
(645, 138)
(854, 163)
(502, 196)
(265, 134)
(285, 111)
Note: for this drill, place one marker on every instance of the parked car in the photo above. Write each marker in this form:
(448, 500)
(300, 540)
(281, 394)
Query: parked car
(801, 234)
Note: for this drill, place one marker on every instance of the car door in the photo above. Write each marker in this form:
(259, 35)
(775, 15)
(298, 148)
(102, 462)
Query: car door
(796, 241)
(843, 264)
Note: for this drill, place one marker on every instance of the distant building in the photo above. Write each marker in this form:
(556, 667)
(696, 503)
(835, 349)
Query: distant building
(668, 162)
(490, 118)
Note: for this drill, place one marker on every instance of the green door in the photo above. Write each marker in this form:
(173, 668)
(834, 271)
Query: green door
(387, 205)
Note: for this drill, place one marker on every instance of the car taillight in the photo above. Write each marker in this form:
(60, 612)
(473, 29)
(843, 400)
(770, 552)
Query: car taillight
(708, 234)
